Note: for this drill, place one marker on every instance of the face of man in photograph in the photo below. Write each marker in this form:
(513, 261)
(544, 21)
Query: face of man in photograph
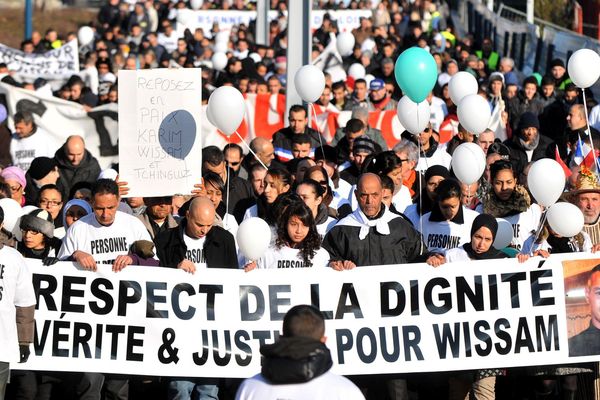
(592, 295)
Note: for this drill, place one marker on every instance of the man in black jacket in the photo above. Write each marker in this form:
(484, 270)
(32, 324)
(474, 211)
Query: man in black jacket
(75, 163)
(282, 139)
(197, 243)
(527, 144)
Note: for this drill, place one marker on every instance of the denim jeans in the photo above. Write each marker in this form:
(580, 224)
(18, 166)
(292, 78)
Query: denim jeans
(196, 389)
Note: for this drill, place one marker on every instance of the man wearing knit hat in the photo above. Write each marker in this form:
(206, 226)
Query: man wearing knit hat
(16, 310)
(527, 144)
(362, 147)
(559, 73)
(42, 171)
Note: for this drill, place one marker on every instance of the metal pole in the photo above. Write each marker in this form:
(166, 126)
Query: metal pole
(262, 22)
(299, 47)
(28, 18)
(530, 13)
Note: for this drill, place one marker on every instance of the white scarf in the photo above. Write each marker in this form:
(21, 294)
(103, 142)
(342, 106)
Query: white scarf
(359, 219)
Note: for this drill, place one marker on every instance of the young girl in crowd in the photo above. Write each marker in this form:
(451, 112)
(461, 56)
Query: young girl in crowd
(38, 240)
(298, 243)
(74, 210)
(214, 187)
(338, 206)
(277, 182)
(448, 225)
(511, 201)
(312, 194)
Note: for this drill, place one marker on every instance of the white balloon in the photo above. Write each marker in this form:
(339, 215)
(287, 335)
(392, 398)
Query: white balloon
(255, 57)
(227, 108)
(357, 71)
(345, 43)
(85, 35)
(310, 82)
(368, 78)
(546, 181)
(474, 113)
(12, 214)
(219, 61)
(462, 84)
(468, 163)
(504, 235)
(253, 238)
(584, 67)
(566, 219)
(413, 117)
(196, 4)
(28, 209)
(221, 47)
(209, 116)
(222, 37)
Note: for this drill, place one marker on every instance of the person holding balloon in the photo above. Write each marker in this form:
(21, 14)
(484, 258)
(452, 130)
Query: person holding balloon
(298, 243)
(511, 201)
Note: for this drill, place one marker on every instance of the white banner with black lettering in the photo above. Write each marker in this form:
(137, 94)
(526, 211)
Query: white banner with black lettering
(55, 64)
(387, 319)
(159, 135)
(227, 19)
(61, 119)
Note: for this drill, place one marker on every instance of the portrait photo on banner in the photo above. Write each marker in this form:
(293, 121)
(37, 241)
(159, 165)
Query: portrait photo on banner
(582, 302)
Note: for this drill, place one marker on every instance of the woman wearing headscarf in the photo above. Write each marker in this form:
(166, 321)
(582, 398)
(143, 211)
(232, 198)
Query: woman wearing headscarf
(74, 210)
(481, 383)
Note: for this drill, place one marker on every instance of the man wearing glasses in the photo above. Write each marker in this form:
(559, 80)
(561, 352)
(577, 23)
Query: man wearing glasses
(234, 156)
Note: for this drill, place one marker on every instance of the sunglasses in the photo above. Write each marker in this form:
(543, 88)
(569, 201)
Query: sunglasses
(234, 164)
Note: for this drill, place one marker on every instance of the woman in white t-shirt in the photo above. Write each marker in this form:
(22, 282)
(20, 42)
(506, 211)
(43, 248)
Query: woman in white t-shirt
(298, 243)
(448, 225)
(311, 194)
(506, 199)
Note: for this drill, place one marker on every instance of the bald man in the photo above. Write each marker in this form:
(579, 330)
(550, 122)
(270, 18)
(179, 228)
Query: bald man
(372, 234)
(75, 163)
(587, 342)
(197, 242)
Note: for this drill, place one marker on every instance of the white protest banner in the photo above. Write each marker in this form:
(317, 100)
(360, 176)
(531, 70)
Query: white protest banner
(60, 119)
(386, 319)
(160, 144)
(192, 20)
(55, 64)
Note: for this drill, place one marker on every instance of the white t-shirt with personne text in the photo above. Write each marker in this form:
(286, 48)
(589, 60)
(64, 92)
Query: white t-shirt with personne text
(23, 151)
(16, 290)
(443, 235)
(195, 250)
(286, 257)
(104, 243)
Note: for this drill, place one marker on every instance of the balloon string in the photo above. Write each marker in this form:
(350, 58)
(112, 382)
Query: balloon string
(225, 219)
(317, 125)
(250, 150)
(589, 132)
(420, 213)
(538, 232)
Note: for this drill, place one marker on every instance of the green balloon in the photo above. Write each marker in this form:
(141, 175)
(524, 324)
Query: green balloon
(416, 73)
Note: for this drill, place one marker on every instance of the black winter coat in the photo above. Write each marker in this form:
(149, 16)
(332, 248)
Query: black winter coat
(518, 156)
(219, 247)
(87, 170)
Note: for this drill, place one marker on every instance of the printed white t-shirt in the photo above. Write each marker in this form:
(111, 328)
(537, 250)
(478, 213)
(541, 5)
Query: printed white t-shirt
(104, 243)
(195, 250)
(286, 257)
(16, 290)
(23, 151)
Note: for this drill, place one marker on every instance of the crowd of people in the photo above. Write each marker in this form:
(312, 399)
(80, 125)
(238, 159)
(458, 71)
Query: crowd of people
(356, 201)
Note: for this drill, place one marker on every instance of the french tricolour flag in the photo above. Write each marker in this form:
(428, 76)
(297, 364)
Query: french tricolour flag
(583, 154)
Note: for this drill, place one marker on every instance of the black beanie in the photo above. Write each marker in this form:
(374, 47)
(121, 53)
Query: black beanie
(436, 170)
(528, 120)
(485, 220)
(40, 167)
(557, 62)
